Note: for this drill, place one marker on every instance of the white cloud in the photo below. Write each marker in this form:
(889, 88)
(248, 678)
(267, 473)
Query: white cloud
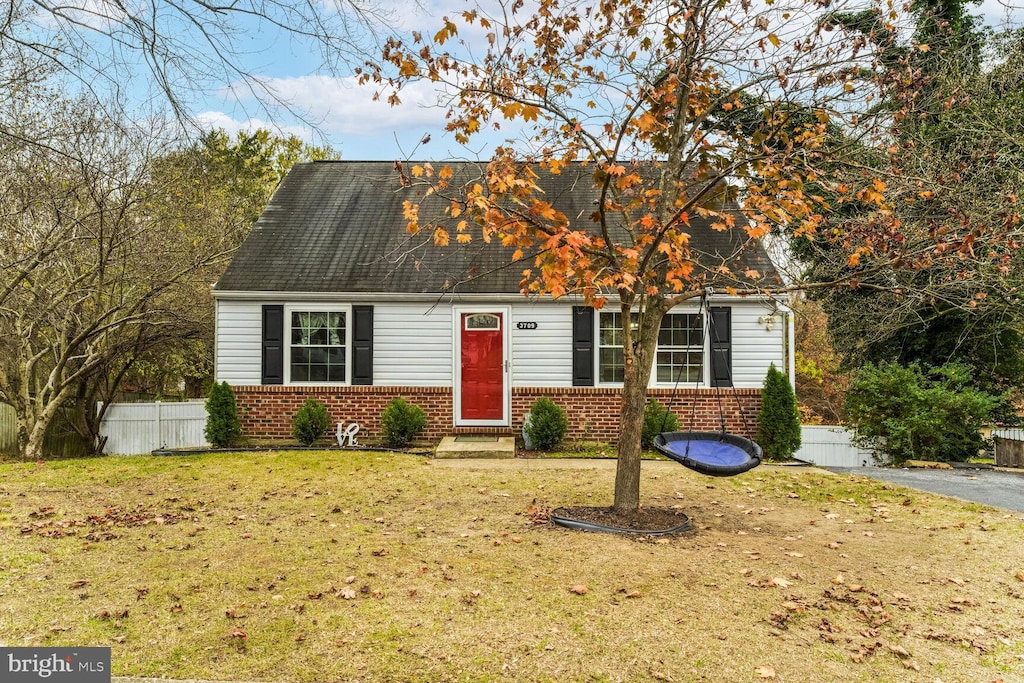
(1000, 13)
(213, 120)
(341, 107)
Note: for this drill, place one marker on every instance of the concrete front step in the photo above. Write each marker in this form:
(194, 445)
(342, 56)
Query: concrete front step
(476, 447)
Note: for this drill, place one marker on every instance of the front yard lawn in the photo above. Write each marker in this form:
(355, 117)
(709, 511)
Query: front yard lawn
(310, 566)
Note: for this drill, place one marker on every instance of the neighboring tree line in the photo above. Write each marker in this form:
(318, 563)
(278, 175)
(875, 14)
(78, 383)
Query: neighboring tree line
(918, 359)
(113, 233)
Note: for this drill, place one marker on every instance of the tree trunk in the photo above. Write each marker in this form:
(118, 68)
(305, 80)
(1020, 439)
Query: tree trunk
(30, 439)
(627, 470)
(638, 352)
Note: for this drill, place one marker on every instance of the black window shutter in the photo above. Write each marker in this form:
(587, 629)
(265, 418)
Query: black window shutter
(273, 345)
(721, 346)
(362, 345)
(582, 346)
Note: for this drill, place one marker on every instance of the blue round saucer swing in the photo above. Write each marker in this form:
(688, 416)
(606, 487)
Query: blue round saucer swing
(716, 454)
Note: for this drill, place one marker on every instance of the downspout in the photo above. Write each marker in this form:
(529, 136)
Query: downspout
(790, 347)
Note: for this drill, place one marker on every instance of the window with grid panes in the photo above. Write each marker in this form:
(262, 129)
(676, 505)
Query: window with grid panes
(678, 358)
(318, 341)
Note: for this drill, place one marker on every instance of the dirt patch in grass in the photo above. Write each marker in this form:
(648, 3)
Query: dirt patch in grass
(333, 566)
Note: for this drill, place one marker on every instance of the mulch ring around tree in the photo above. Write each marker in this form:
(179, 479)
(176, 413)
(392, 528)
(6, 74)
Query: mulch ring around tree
(646, 521)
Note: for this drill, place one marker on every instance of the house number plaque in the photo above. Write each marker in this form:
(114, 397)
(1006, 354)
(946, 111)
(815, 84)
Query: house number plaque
(526, 326)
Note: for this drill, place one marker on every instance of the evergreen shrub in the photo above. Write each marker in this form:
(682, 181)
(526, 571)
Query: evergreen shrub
(547, 425)
(778, 424)
(222, 426)
(919, 412)
(400, 422)
(310, 422)
(657, 419)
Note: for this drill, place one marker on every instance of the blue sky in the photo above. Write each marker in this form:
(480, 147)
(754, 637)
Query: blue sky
(345, 114)
(337, 110)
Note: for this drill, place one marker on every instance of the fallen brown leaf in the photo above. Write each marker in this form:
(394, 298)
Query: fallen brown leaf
(765, 671)
(579, 589)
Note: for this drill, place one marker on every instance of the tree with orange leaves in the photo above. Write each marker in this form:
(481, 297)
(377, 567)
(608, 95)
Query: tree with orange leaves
(714, 109)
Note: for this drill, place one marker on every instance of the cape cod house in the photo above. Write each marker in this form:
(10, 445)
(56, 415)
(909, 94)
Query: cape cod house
(329, 297)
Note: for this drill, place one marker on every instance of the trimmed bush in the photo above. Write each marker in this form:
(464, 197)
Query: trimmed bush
(917, 412)
(778, 424)
(222, 425)
(310, 422)
(547, 425)
(657, 419)
(400, 422)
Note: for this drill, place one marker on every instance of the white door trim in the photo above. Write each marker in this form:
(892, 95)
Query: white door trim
(506, 403)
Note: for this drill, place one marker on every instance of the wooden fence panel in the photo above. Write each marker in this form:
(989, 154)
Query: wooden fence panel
(1009, 451)
(8, 429)
(133, 428)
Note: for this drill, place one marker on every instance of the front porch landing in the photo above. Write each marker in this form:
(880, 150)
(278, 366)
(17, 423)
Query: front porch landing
(466, 446)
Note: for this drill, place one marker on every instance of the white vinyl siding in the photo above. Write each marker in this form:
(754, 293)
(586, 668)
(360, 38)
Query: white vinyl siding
(542, 357)
(412, 345)
(239, 342)
(753, 347)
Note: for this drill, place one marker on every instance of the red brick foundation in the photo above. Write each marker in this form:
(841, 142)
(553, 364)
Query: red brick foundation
(266, 411)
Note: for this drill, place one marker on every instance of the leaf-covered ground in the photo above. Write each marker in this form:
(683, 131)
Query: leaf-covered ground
(305, 566)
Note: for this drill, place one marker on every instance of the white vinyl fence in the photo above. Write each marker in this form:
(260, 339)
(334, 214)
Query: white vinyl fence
(829, 446)
(134, 428)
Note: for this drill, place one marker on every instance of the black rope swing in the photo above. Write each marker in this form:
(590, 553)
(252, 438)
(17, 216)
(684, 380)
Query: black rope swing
(717, 454)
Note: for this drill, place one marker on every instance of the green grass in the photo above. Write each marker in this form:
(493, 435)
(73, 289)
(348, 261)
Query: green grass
(325, 566)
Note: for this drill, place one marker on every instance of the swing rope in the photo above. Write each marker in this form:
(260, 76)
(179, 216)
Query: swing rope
(679, 374)
(712, 335)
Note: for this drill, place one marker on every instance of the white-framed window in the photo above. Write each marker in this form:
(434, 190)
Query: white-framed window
(318, 344)
(680, 354)
(678, 358)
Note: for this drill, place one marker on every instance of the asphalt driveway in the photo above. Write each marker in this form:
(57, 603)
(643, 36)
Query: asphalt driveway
(999, 488)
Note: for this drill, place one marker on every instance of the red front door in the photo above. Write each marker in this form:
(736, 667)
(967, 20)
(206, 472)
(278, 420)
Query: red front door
(483, 372)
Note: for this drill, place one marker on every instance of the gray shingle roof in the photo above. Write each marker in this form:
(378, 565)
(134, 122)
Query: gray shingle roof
(338, 227)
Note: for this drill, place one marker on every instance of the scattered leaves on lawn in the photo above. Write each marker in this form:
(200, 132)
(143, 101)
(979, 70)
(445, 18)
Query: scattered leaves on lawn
(536, 514)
